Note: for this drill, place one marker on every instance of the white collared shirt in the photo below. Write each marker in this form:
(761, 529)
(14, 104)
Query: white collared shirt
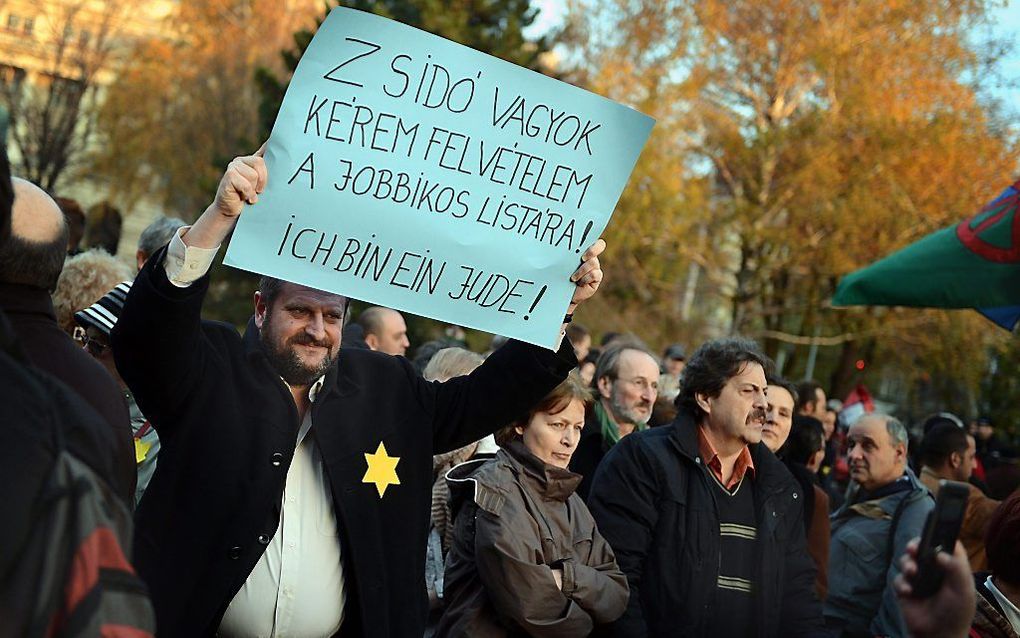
(1009, 610)
(297, 587)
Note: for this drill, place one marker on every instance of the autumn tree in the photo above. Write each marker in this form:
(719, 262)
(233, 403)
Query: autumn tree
(495, 27)
(808, 139)
(53, 108)
(187, 103)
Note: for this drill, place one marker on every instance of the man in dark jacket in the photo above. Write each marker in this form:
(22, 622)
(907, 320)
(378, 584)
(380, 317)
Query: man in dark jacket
(30, 262)
(292, 493)
(626, 383)
(705, 521)
(885, 508)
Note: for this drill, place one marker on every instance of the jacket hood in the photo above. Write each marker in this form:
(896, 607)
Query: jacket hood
(483, 480)
(552, 482)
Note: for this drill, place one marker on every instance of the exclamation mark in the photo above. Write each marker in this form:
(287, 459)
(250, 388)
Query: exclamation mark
(584, 237)
(535, 302)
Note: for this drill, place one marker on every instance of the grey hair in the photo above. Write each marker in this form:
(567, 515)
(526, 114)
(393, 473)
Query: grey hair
(897, 431)
(158, 234)
(608, 363)
(451, 362)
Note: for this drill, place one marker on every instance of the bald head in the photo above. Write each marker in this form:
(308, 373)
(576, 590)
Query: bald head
(385, 330)
(34, 253)
(35, 216)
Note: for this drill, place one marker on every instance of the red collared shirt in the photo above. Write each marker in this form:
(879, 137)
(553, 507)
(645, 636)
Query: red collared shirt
(712, 462)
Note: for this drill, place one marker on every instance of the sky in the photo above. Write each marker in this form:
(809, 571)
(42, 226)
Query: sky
(1007, 26)
(1005, 20)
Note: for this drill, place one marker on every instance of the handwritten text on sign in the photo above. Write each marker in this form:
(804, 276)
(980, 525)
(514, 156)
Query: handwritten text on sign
(422, 175)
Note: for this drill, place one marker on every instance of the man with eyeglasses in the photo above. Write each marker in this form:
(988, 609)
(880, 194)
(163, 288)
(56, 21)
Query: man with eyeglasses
(626, 384)
(94, 326)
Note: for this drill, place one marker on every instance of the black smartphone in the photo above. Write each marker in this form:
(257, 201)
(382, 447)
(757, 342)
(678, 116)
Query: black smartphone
(940, 533)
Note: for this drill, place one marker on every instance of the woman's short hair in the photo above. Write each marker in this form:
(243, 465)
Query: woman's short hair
(85, 278)
(451, 362)
(573, 387)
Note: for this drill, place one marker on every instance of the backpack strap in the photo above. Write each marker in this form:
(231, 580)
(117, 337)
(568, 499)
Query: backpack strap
(914, 497)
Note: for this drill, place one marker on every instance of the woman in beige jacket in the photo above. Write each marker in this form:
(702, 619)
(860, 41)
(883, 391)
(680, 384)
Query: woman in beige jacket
(527, 559)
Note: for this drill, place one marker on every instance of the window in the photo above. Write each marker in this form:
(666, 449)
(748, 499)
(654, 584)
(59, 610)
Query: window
(13, 21)
(11, 76)
(28, 25)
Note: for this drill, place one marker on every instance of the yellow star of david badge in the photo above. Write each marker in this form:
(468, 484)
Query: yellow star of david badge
(382, 469)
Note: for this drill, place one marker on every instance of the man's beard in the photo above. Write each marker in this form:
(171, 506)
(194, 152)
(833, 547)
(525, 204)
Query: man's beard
(624, 414)
(286, 361)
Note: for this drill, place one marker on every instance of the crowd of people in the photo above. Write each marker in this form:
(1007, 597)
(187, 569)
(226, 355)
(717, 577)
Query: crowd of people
(168, 475)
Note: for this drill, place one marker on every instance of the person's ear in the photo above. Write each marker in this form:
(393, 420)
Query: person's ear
(372, 341)
(955, 460)
(519, 430)
(819, 456)
(901, 453)
(702, 400)
(605, 385)
(260, 310)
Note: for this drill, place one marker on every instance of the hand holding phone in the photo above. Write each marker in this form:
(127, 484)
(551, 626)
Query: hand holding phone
(946, 614)
(940, 533)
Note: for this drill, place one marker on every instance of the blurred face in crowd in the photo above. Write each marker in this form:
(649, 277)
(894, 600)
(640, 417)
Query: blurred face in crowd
(985, 431)
(778, 419)
(97, 344)
(966, 462)
(673, 366)
(630, 396)
(587, 371)
(582, 347)
(820, 409)
(874, 459)
(737, 416)
(392, 335)
(829, 423)
(300, 331)
(553, 437)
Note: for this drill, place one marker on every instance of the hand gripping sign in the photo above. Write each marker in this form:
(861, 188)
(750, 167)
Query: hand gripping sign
(419, 174)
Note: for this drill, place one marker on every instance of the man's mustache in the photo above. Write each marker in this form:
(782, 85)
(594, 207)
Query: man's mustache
(308, 340)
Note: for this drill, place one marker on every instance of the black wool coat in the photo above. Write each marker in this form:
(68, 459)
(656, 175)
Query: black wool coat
(590, 450)
(228, 426)
(51, 350)
(652, 501)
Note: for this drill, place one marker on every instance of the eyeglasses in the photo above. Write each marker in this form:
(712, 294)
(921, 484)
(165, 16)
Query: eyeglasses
(641, 383)
(95, 347)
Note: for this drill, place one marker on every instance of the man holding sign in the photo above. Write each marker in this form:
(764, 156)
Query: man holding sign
(293, 491)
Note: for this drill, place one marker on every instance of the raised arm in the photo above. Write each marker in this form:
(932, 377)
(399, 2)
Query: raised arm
(158, 342)
(512, 379)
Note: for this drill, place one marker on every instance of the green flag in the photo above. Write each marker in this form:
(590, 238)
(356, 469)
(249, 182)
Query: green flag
(974, 264)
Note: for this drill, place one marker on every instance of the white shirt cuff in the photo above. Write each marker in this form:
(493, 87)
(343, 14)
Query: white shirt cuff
(185, 264)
